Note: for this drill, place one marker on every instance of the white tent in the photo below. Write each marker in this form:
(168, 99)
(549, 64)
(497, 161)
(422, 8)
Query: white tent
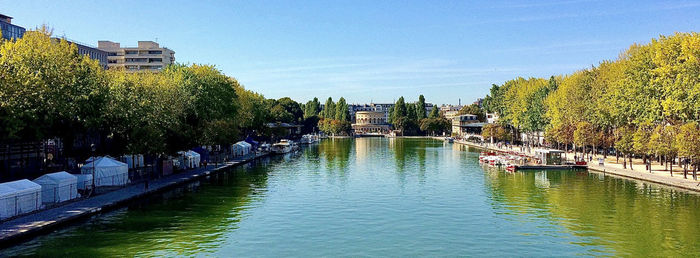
(191, 158)
(58, 187)
(133, 161)
(242, 148)
(108, 172)
(18, 197)
(84, 181)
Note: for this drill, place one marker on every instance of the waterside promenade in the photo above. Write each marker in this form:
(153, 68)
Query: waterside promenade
(659, 174)
(24, 227)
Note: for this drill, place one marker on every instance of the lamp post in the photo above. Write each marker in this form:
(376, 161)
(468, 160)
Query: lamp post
(94, 159)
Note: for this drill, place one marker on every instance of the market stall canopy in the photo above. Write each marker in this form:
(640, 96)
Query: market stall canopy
(58, 187)
(108, 172)
(18, 197)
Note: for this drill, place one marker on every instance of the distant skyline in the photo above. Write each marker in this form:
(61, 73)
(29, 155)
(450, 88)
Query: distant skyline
(371, 51)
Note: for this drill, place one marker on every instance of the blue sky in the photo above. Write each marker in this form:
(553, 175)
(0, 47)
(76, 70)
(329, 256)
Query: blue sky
(372, 50)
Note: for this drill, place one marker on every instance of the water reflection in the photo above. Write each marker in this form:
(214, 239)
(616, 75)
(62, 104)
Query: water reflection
(620, 217)
(335, 154)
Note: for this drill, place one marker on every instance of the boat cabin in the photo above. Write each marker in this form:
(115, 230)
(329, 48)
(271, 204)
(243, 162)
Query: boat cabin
(550, 157)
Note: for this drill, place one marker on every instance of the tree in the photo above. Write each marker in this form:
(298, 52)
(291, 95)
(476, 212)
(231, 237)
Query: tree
(435, 126)
(253, 113)
(328, 109)
(420, 108)
(494, 132)
(662, 142)
(390, 119)
(280, 114)
(293, 108)
(48, 89)
(312, 108)
(641, 141)
(493, 102)
(583, 135)
(688, 145)
(399, 109)
(341, 110)
(435, 113)
(411, 112)
(624, 144)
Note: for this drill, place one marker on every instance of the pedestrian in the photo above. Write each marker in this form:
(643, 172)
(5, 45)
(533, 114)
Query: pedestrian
(145, 185)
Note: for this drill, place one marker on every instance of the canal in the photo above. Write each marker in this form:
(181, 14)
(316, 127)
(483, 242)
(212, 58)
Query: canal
(390, 197)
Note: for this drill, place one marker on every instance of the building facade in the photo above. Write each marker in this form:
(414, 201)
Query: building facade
(372, 107)
(491, 118)
(380, 107)
(9, 30)
(147, 56)
(370, 122)
(463, 125)
(94, 53)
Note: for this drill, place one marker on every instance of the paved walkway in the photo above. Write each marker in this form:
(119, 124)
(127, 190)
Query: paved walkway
(27, 226)
(659, 174)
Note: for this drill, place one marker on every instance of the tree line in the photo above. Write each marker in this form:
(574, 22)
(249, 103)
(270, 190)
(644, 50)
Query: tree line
(645, 103)
(411, 118)
(50, 91)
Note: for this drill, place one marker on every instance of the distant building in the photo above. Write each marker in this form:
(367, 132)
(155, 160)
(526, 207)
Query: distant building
(94, 53)
(367, 122)
(491, 118)
(373, 107)
(147, 56)
(9, 30)
(479, 102)
(446, 108)
(380, 107)
(451, 114)
(463, 125)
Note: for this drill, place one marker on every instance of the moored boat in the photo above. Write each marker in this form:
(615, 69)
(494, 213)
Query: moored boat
(284, 146)
(308, 139)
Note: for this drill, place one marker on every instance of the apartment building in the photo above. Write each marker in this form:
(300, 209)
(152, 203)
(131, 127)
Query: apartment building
(147, 56)
(465, 125)
(9, 30)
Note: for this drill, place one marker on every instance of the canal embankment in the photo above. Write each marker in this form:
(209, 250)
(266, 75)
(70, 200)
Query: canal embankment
(31, 225)
(658, 177)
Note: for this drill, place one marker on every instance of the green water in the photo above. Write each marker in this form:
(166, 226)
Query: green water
(390, 197)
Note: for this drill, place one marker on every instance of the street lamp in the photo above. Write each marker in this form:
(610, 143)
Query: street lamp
(94, 159)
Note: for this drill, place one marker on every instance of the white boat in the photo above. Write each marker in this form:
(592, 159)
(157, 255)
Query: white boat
(307, 139)
(284, 146)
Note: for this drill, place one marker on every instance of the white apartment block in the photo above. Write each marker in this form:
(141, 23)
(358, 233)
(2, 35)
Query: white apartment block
(147, 56)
